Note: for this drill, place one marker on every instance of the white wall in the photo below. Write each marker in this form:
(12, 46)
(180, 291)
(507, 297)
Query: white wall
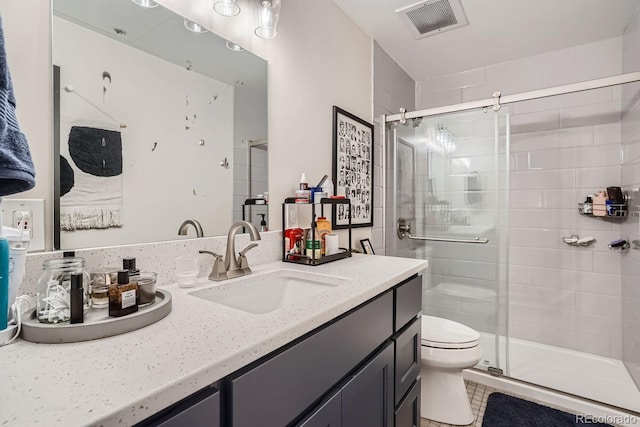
(310, 70)
(167, 176)
(562, 148)
(631, 183)
(27, 31)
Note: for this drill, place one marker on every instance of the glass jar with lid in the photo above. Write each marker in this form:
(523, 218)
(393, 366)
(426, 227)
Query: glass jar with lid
(53, 289)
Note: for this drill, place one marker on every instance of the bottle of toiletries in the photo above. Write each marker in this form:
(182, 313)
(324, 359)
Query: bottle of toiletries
(600, 204)
(129, 263)
(304, 184)
(4, 280)
(101, 279)
(263, 222)
(323, 227)
(123, 296)
(76, 299)
(327, 187)
(313, 248)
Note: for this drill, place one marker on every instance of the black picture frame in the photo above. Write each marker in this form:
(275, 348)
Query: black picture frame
(367, 247)
(353, 168)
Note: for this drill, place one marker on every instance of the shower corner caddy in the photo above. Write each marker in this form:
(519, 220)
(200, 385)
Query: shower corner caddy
(304, 259)
(614, 210)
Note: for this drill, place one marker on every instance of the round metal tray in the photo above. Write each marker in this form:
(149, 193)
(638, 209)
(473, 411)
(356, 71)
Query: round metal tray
(97, 323)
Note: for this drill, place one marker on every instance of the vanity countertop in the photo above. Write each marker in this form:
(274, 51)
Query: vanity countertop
(124, 379)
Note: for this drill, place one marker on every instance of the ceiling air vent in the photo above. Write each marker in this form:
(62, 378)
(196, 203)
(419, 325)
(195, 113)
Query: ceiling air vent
(431, 17)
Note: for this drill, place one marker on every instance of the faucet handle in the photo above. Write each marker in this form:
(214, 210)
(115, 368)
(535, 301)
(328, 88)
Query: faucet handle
(247, 249)
(242, 259)
(215, 255)
(218, 272)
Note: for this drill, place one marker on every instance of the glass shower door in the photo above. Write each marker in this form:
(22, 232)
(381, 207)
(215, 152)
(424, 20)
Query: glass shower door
(446, 202)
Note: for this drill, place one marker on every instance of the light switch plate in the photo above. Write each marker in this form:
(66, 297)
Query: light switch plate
(36, 208)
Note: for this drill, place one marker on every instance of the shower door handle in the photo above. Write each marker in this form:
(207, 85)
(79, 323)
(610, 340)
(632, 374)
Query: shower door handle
(404, 230)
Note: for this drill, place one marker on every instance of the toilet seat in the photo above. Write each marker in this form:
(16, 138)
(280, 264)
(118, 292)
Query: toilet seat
(444, 333)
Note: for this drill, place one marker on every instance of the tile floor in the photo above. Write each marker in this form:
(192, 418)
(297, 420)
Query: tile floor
(478, 395)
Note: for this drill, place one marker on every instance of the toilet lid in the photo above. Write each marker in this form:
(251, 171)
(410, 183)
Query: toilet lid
(445, 333)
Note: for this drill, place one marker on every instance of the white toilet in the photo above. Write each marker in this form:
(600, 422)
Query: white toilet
(448, 347)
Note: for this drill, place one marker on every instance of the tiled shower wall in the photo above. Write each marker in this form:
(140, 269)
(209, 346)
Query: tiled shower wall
(393, 88)
(631, 183)
(562, 149)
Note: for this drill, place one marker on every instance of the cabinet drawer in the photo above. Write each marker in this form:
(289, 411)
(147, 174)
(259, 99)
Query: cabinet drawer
(408, 413)
(275, 392)
(407, 352)
(408, 302)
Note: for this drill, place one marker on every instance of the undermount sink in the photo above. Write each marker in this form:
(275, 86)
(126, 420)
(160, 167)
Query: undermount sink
(262, 293)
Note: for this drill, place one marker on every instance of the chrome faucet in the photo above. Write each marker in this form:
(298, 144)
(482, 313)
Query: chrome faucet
(182, 231)
(231, 266)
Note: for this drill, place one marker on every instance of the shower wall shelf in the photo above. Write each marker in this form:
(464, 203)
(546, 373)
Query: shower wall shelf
(615, 210)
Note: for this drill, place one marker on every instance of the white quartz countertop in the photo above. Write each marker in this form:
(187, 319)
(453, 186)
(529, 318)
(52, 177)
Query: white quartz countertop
(124, 379)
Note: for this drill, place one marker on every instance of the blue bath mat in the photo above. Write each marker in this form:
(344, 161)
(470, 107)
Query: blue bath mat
(509, 411)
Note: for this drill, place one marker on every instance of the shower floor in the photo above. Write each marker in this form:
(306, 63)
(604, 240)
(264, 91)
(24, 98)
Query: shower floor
(593, 377)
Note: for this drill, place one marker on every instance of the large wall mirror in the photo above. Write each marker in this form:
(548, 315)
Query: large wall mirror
(154, 124)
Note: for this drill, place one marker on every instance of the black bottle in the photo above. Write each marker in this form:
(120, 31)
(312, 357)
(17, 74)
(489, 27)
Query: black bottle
(129, 263)
(76, 298)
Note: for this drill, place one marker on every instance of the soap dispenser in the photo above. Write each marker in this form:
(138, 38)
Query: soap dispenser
(263, 223)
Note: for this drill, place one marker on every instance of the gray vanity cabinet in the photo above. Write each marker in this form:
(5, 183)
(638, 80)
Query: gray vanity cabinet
(367, 398)
(276, 391)
(327, 414)
(363, 399)
(202, 409)
(408, 411)
(407, 346)
(360, 369)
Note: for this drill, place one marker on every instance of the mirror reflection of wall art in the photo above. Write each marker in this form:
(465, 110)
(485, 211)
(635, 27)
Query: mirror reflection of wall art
(353, 168)
(91, 168)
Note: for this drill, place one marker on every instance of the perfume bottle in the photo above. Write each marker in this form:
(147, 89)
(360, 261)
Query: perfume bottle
(76, 299)
(123, 296)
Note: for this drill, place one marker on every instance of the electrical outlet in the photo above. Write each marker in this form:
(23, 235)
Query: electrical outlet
(26, 217)
(12, 210)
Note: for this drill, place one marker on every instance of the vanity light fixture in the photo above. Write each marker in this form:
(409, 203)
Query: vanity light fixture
(149, 4)
(268, 17)
(194, 26)
(234, 47)
(226, 7)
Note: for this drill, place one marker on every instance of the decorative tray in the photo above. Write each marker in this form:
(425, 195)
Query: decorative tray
(97, 323)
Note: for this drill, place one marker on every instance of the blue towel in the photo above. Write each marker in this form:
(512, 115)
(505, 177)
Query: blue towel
(17, 173)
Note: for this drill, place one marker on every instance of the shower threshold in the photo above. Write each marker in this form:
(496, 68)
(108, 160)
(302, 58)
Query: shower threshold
(585, 375)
